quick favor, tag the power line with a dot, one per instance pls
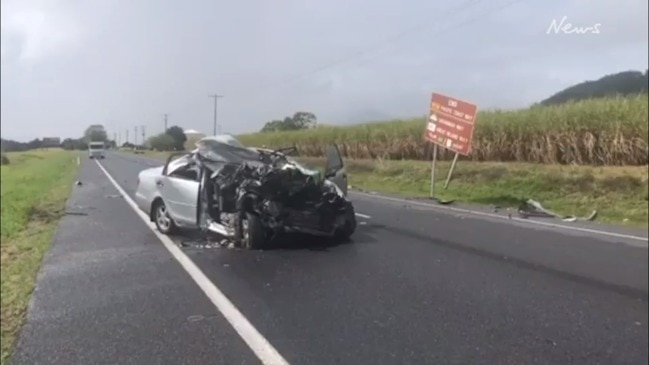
(216, 97)
(458, 25)
(377, 45)
(400, 35)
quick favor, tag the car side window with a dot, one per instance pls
(187, 172)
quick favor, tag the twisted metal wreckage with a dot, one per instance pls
(254, 195)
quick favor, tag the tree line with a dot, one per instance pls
(173, 138)
(299, 120)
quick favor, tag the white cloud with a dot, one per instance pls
(127, 62)
(38, 28)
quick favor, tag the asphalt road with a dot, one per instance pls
(419, 285)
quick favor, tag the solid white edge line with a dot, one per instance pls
(255, 340)
(491, 215)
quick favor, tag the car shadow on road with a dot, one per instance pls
(290, 241)
(299, 241)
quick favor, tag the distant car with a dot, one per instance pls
(96, 149)
(246, 194)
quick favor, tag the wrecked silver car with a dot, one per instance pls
(249, 195)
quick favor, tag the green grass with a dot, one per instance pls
(618, 193)
(599, 132)
(35, 186)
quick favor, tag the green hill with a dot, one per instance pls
(620, 84)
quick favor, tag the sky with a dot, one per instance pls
(67, 64)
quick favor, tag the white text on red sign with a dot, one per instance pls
(450, 124)
(448, 134)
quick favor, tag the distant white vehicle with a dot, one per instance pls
(96, 149)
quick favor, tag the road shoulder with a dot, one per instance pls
(108, 292)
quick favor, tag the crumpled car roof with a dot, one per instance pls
(225, 148)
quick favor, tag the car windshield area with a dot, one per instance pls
(96, 145)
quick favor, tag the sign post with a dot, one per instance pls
(432, 173)
(450, 125)
(450, 170)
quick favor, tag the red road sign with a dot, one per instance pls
(450, 123)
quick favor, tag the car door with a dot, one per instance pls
(201, 214)
(335, 170)
(179, 187)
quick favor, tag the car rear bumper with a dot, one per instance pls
(142, 203)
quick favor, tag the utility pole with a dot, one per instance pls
(143, 134)
(216, 101)
(135, 135)
(120, 138)
(165, 123)
(115, 138)
(127, 136)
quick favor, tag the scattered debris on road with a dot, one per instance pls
(195, 318)
(205, 243)
(443, 202)
(532, 208)
(77, 183)
(75, 213)
(114, 196)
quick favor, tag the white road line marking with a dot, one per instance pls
(363, 215)
(255, 340)
(491, 215)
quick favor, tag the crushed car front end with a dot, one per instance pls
(292, 201)
(286, 198)
(279, 194)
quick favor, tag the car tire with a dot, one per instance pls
(162, 220)
(252, 235)
(348, 229)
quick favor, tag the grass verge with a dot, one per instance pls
(35, 187)
(618, 193)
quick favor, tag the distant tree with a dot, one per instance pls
(273, 126)
(74, 144)
(162, 142)
(178, 136)
(299, 120)
(12, 146)
(95, 132)
(303, 120)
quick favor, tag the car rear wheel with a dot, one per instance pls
(252, 232)
(162, 219)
